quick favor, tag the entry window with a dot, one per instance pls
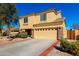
(26, 20)
(43, 17)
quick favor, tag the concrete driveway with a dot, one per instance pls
(32, 47)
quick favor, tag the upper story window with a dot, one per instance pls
(43, 17)
(25, 20)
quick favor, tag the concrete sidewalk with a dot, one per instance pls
(32, 47)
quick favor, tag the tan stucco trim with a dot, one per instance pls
(48, 24)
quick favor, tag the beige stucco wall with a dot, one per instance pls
(64, 30)
(63, 25)
(76, 33)
(51, 16)
(35, 19)
(27, 25)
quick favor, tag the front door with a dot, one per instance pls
(29, 32)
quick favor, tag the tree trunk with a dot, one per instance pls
(9, 30)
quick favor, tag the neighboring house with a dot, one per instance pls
(45, 25)
(12, 29)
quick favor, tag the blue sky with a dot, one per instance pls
(69, 10)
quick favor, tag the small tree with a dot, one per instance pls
(9, 13)
(76, 26)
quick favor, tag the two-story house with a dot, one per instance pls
(44, 25)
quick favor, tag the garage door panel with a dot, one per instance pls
(45, 34)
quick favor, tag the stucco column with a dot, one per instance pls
(60, 32)
(32, 33)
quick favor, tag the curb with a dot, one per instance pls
(48, 50)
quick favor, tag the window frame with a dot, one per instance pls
(43, 17)
(26, 20)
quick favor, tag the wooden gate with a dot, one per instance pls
(70, 34)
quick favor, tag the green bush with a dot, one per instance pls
(22, 35)
(68, 47)
(5, 33)
(76, 50)
(0, 34)
(72, 48)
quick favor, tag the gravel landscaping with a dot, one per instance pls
(58, 52)
(5, 40)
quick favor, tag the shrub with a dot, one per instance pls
(0, 34)
(72, 48)
(66, 45)
(13, 34)
(5, 33)
(22, 35)
(76, 50)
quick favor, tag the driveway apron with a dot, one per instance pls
(32, 47)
